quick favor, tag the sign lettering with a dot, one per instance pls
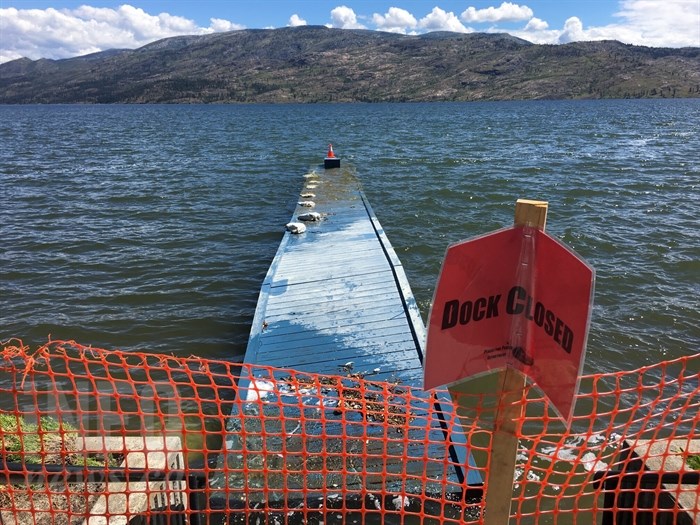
(499, 305)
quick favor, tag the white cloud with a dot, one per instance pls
(573, 31)
(439, 20)
(53, 33)
(219, 25)
(535, 24)
(345, 18)
(506, 12)
(396, 20)
(295, 21)
(675, 23)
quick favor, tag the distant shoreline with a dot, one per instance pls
(318, 64)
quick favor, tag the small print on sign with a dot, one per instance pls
(517, 298)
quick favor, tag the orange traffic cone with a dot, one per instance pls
(331, 161)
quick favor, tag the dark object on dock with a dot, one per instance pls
(649, 488)
(331, 161)
(634, 497)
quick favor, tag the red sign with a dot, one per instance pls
(516, 298)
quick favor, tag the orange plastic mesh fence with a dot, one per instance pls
(107, 436)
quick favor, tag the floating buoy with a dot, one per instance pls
(331, 161)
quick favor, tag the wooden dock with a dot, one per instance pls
(336, 301)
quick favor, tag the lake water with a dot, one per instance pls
(150, 228)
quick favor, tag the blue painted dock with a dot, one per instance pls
(338, 293)
(336, 301)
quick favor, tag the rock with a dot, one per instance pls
(296, 227)
(312, 216)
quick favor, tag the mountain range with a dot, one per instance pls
(318, 64)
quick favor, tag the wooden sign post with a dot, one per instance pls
(516, 302)
(504, 441)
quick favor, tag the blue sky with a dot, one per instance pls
(65, 28)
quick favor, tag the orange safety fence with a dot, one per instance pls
(94, 436)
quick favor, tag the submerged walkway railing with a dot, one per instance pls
(631, 428)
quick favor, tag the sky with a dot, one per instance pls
(65, 28)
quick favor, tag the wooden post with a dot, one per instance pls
(511, 384)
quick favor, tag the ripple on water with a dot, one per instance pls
(152, 227)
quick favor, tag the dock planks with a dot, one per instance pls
(336, 301)
(338, 292)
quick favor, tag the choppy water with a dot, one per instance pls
(151, 227)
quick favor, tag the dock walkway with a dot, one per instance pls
(338, 293)
(336, 301)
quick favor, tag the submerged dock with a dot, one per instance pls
(336, 302)
(336, 298)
